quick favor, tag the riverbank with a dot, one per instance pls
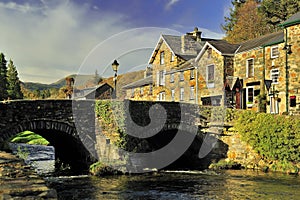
(19, 181)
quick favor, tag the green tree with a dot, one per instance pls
(231, 20)
(13, 87)
(246, 22)
(277, 11)
(3, 77)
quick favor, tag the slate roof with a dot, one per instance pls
(175, 43)
(265, 40)
(294, 19)
(224, 47)
(142, 82)
(86, 91)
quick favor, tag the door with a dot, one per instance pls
(237, 98)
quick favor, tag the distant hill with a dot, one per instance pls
(85, 81)
(81, 81)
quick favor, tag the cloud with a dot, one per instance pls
(171, 3)
(52, 40)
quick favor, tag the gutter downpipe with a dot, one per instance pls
(264, 78)
(286, 74)
(196, 67)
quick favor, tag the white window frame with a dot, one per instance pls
(162, 77)
(162, 57)
(192, 93)
(141, 90)
(150, 89)
(247, 68)
(173, 95)
(210, 81)
(247, 96)
(277, 52)
(192, 73)
(181, 94)
(274, 75)
(162, 96)
(181, 76)
(172, 77)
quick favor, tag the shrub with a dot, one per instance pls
(274, 137)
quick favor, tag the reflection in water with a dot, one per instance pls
(175, 185)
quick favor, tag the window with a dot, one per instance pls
(181, 94)
(173, 94)
(141, 91)
(150, 89)
(162, 77)
(250, 68)
(172, 57)
(192, 92)
(250, 96)
(162, 96)
(172, 78)
(181, 76)
(162, 58)
(192, 74)
(210, 76)
(274, 52)
(132, 92)
(209, 50)
(274, 75)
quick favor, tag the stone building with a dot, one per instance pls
(262, 73)
(214, 70)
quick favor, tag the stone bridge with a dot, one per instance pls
(55, 121)
(69, 126)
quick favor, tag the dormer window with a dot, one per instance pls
(209, 50)
(274, 52)
(162, 57)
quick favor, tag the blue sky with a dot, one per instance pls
(50, 39)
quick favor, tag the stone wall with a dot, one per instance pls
(238, 151)
(293, 63)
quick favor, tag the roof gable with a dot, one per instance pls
(222, 47)
(157, 47)
(175, 44)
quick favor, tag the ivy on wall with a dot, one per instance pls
(274, 137)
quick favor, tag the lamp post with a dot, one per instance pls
(274, 94)
(115, 66)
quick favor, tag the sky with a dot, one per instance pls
(50, 39)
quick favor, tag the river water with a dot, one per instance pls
(230, 184)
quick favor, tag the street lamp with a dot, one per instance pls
(115, 66)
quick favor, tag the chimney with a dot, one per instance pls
(197, 34)
(188, 41)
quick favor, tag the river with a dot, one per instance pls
(239, 184)
(230, 184)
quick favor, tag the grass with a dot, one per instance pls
(29, 137)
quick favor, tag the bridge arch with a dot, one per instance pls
(69, 148)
